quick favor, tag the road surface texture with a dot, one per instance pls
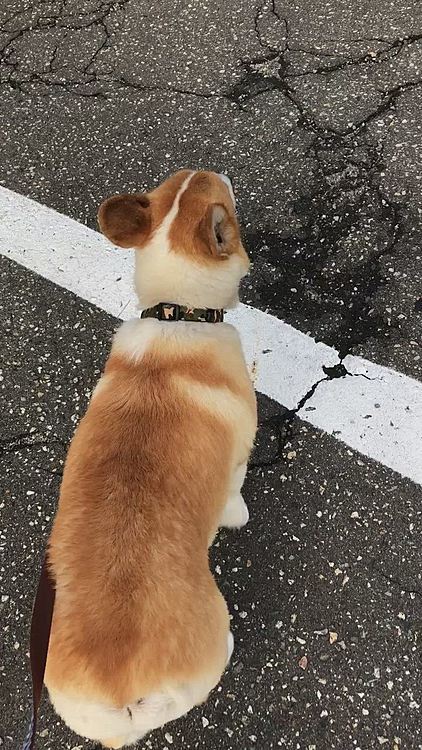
(314, 109)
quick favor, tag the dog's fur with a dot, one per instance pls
(140, 631)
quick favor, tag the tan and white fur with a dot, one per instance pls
(140, 631)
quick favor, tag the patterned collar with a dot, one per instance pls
(171, 311)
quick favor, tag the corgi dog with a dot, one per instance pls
(140, 630)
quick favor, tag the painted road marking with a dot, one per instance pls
(374, 410)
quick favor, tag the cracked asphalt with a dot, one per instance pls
(314, 109)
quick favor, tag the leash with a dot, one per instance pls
(42, 615)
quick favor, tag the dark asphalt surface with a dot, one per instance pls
(314, 109)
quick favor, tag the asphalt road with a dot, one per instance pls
(314, 109)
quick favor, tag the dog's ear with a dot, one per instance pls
(126, 219)
(216, 231)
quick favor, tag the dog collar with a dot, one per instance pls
(171, 311)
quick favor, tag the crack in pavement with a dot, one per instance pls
(283, 422)
(392, 50)
(396, 582)
(167, 89)
(259, 13)
(253, 84)
(89, 75)
(60, 21)
(27, 440)
(256, 83)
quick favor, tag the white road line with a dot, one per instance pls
(379, 415)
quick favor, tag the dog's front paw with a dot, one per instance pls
(243, 513)
(235, 514)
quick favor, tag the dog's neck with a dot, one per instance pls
(162, 275)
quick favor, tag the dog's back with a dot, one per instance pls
(140, 630)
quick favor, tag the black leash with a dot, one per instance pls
(42, 615)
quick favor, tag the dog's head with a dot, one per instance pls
(187, 237)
